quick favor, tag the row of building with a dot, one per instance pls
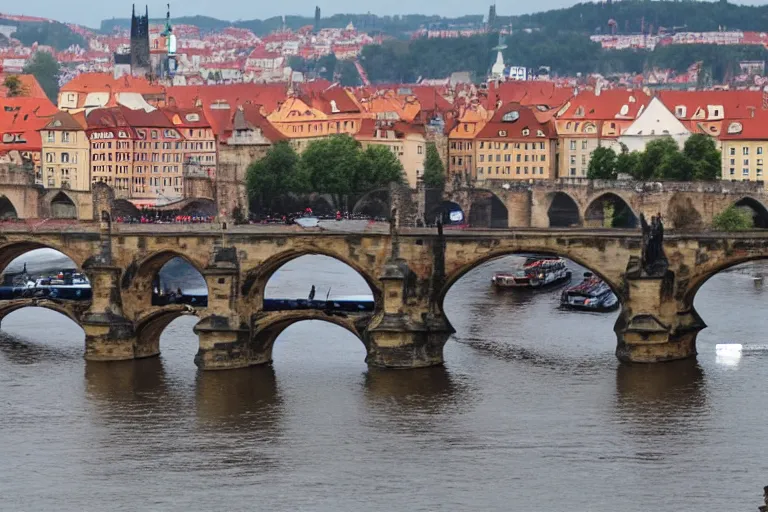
(144, 139)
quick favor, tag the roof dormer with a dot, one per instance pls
(715, 112)
(680, 111)
(734, 128)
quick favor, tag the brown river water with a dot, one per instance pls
(531, 412)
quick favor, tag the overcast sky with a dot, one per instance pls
(91, 12)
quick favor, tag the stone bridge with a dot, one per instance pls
(604, 203)
(409, 272)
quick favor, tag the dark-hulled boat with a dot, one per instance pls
(592, 294)
(537, 272)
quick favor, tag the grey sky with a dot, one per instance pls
(91, 12)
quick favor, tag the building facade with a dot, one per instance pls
(66, 153)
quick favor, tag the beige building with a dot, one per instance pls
(66, 152)
(406, 141)
(744, 146)
(516, 145)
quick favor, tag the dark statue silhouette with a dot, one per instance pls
(653, 260)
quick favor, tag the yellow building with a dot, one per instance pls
(66, 152)
(516, 144)
(744, 145)
(316, 116)
(405, 140)
(593, 119)
(461, 144)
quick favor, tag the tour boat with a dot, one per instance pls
(537, 272)
(592, 294)
(66, 285)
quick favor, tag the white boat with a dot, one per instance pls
(307, 222)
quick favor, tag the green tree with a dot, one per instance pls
(704, 157)
(273, 177)
(650, 160)
(733, 219)
(674, 166)
(46, 70)
(603, 164)
(331, 166)
(14, 86)
(627, 163)
(378, 167)
(434, 171)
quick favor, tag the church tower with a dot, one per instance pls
(140, 64)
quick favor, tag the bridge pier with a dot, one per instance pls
(406, 335)
(109, 336)
(650, 328)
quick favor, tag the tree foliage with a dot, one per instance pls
(733, 219)
(339, 167)
(52, 33)
(14, 86)
(434, 171)
(274, 176)
(603, 164)
(704, 156)
(46, 70)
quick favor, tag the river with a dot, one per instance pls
(530, 412)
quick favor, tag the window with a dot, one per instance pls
(543, 158)
(745, 172)
(759, 161)
(50, 158)
(498, 158)
(583, 144)
(525, 169)
(746, 161)
(733, 151)
(482, 145)
(517, 170)
(517, 157)
(482, 158)
(541, 170)
(65, 137)
(154, 134)
(573, 171)
(497, 169)
(542, 145)
(507, 157)
(50, 137)
(745, 150)
(573, 159)
(479, 170)
(733, 161)
(759, 172)
(760, 150)
(420, 150)
(65, 158)
(732, 171)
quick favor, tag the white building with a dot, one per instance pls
(655, 122)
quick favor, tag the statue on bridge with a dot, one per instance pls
(653, 260)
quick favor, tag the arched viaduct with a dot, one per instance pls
(409, 272)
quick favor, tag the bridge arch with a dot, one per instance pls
(458, 273)
(71, 311)
(610, 210)
(150, 327)
(376, 203)
(268, 327)
(256, 278)
(62, 206)
(486, 209)
(139, 279)
(562, 210)
(444, 211)
(683, 214)
(13, 250)
(756, 208)
(7, 209)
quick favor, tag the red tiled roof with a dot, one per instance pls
(514, 129)
(606, 105)
(187, 117)
(735, 103)
(105, 82)
(254, 117)
(29, 85)
(189, 96)
(750, 128)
